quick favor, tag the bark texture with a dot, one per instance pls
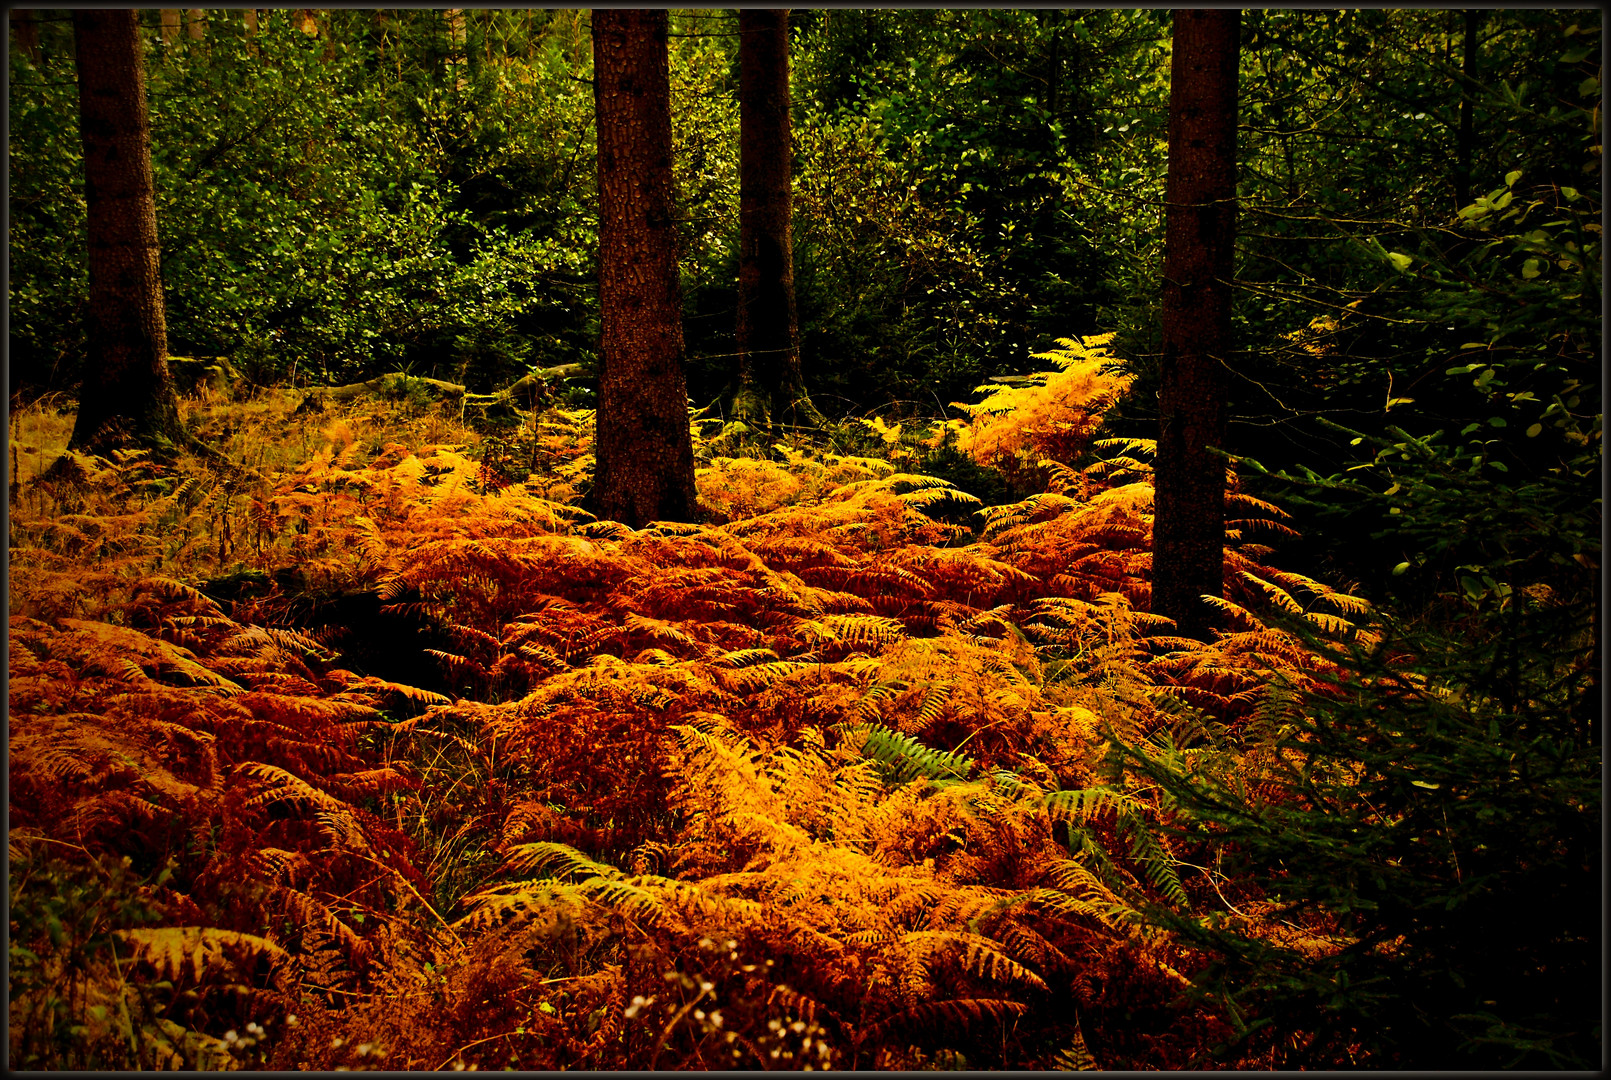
(770, 384)
(1200, 229)
(25, 28)
(127, 398)
(1462, 168)
(644, 457)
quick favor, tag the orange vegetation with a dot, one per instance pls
(819, 782)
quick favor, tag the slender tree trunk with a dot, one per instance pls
(1200, 229)
(770, 384)
(25, 26)
(195, 23)
(127, 397)
(172, 18)
(645, 460)
(1462, 168)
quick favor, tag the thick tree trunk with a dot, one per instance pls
(770, 385)
(644, 456)
(1200, 229)
(127, 397)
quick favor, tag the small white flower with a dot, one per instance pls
(699, 1014)
(632, 1010)
(290, 1021)
(706, 943)
(363, 1049)
(716, 1019)
(731, 944)
(797, 1027)
(230, 1036)
(707, 987)
(774, 1024)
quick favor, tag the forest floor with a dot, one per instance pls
(372, 750)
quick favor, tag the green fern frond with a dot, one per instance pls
(904, 758)
(1157, 863)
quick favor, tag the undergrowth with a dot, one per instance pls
(824, 780)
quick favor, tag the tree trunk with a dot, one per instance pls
(645, 461)
(127, 397)
(1462, 167)
(171, 18)
(1200, 229)
(25, 27)
(770, 385)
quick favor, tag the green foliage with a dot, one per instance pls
(902, 758)
(1453, 834)
(76, 1000)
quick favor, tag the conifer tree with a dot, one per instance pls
(771, 387)
(645, 458)
(1200, 229)
(127, 397)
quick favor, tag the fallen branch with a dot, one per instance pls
(396, 383)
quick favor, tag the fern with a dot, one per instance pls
(905, 759)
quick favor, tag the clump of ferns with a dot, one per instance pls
(101, 978)
(255, 780)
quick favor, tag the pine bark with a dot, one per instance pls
(770, 383)
(127, 397)
(1200, 230)
(25, 28)
(644, 456)
(1463, 149)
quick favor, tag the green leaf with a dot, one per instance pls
(1400, 568)
(1400, 261)
(1512, 176)
(1531, 269)
(1533, 431)
(1570, 193)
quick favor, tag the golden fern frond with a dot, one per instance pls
(1083, 804)
(1277, 595)
(175, 951)
(865, 629)
(977, 955)
(557, 860)
(519, 904)
(1076, 1056)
